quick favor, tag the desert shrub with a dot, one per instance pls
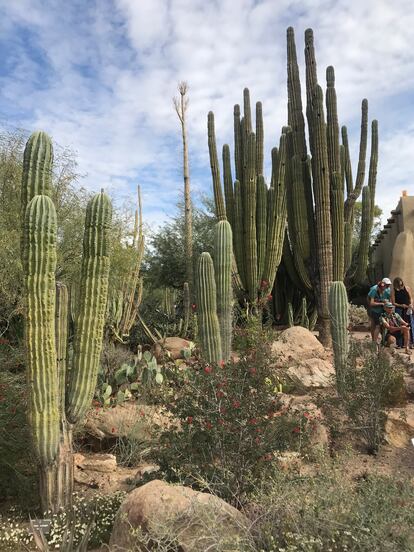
(330, 511)
(96, 513)
(358, 315)
(373, 381)
(229, 422)
(16, 463)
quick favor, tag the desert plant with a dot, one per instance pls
(53, 407)
(320, 230)
(256, 213)
(338, 310)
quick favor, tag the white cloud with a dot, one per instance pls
(100, 77)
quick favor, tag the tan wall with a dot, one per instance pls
(394, 254)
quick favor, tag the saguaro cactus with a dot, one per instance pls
(338, 309)
(208, 324)
(46, 325)
(223, 252)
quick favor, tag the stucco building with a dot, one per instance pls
(393, 253)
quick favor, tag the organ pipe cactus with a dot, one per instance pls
(338, 309)
(256, 213)
(46, 323)
(320, 213)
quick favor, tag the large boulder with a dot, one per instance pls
(132, 420)
(173, 345)
(399, 427)
(304, 358)
(197, 521)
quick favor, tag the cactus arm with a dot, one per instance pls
(40, 229)
(373, 164)
(363, 247)
(250, 219)
(238, 150)
(261, 224)
(290, 318)
(61, 336)
(215, 168)
(228, 185)
(238, 233)
(259, 138)
(92, 306)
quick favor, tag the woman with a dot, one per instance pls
(401, 297)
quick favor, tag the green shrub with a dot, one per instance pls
(373, 382)
(331, 512)
(228, 422)
(16, 462)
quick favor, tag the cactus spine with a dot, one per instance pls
(338, 309)
(47, 318)
(223, 252)
(208, 324)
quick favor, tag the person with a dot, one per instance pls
(377, 296)
(393, 327)
(402, 299)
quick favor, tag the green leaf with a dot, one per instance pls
(120, 397)
(147, 356)
(130, 372)
(159, 378)
(120, 374)
(134, 386)
(107, 390)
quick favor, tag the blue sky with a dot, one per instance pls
(99, 77)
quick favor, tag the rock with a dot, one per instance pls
(297, 342)
(174, 345)
(198, 521)
(399, 427)
(104, 463)
(145, 469)
(132, 420)
(304, 358)
(313, 372)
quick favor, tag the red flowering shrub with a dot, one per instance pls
(230, 423)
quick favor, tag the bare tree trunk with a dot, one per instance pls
(181, 105)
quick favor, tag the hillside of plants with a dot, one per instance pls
(210, 385)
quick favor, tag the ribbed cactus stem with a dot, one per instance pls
(304, 320)
(228, 184)
(208, 323)
(363, 245)
(40, 229)
(338, 309)
(61, 336)
(92, 306)
(37, 168)
(215, 168)
(259, 139)
(223, 254)
(250, 219)
(186, 308)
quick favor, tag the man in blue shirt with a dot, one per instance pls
(377, 296)
(394, 327)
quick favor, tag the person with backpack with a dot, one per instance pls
(402, 299)
(378, 295)
(394, 327)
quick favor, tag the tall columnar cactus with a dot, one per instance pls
(40, 228)
(186, 308)
(208, 323)
(92, 306)
(46, 325)
(320, 217)
(256, 213)
(338, 309)
(223, 252)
